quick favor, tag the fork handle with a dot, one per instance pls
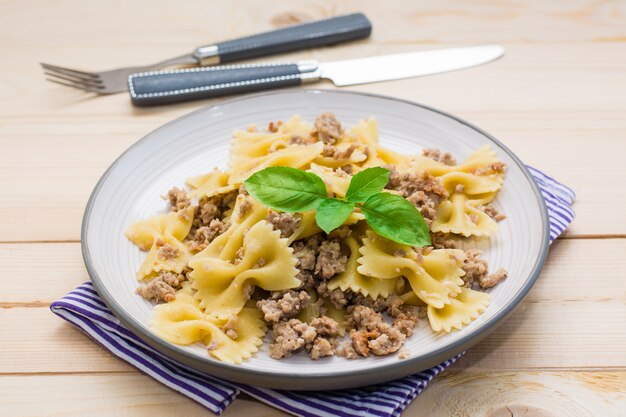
(162, 87)
(322, 32)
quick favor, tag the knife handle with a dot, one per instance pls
(322, 32)
(162, 87)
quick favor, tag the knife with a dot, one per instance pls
(161, 87)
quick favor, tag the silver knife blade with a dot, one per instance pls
(412, 64)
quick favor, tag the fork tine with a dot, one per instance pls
(69, 71)
(79, 86)
(71, 78)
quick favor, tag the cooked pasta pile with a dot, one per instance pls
(223, 268)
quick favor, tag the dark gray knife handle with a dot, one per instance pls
(161, 87)
(307, 35)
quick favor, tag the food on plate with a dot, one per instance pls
(322, 240)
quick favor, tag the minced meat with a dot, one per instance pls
(205, 234)
(287, 223)
(162, 288)
(178, 199)
(327, 128)
(434, 153)
(330, 260)
(490, 280)
(229, 328)
(475, 267)
(336, 153)
(166, 251)
(423, 190)
(283, 305)
(492, 212)
(289, 337)
(371, 334)
(442, 241)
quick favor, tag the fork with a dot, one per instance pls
(319, 33)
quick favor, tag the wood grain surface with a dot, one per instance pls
(558, 99)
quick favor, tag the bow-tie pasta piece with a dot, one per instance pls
(176, 224)
(434, 277)
(208, 185)
(459, 216)
(295, 156)
(224, 287)
(167, 254)
(462, 310)
(246, 213)
(183, 322)
(358, 283)
(471, 184)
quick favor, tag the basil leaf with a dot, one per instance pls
(393, 217)
(332, 213)
(366, 183)
(286, 189)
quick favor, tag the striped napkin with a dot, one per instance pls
(84, 309)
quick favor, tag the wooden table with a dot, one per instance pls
(558, 99)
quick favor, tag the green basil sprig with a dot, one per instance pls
(292, 190)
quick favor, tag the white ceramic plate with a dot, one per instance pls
(193, 144)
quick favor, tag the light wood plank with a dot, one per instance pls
(131, 394)
(476, 394)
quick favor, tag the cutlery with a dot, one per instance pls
(322, 32)
(161, 87)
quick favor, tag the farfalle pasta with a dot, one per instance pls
(227, 271)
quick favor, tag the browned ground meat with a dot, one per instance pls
(162, 288)
(325, 326)
(423, 190)
(166, 251)
(299, 140)
(208, 221)
(289, 337)
(475, 267)
(327, 128)
(287, 223)
(490, 280)
(273, 126)
(405, 322)
(336, 153)
(348, 169)
(493, 168)
(325, 343)
(205, 234)
(244, 208)
(371, 334)
(229, 327)
(492, 212)
(336, 297)
(347, 351)
(330, 260)
(322, 347)
(392, 305)
(283, 305)
(434, 153)
(442, 241)
(178, 199)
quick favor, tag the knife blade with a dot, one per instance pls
(161, 87)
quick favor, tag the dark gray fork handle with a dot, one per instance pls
(162, 87)
(322, 32)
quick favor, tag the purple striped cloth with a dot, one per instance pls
(85, 310)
